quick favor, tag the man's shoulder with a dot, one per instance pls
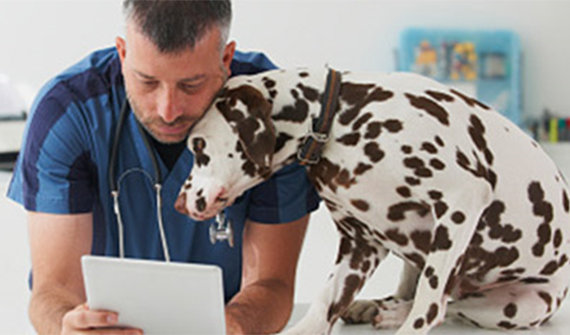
(250, 63)
(94, 75)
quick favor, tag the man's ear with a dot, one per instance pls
(249, 114)
(121, 46)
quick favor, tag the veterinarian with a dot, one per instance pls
(173, 60)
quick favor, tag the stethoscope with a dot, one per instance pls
(221, 230)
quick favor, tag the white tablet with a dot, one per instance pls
(157, 297)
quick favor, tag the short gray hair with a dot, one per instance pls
(174, 25)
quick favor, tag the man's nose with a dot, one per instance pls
(169, 106)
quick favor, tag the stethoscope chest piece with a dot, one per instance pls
(222, 230)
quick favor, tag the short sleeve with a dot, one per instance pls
(54, 173)
(287, 196)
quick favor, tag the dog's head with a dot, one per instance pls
(233, 146)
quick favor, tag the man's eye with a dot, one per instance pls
(150, 83)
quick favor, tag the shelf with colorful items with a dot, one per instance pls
(552, 131)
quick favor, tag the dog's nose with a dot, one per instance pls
(180, 204)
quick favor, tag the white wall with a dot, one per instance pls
(40, 38)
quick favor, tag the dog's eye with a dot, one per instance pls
(198, 144)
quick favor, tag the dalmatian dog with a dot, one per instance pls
(473, 206)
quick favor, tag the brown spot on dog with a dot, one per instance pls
(198, 146)
(350, 139)
(543, 209)
(412, 181)
(441, 239)
(281, 140)
(352, 284)
(419, 323)
(506, 325)
(557, 238)
(373, 151)
(404, 191)
(477, 132)
(406, 149)
(359, 96)
(547, 299)
(361, 168)
(416, 259)
(360, 204)
(396, 236)
(421, 240)
(470, 101)
(510, 310)
(361, 121)
(565, 202)
(433, 282)
(440, 96)
(398, 211)
(430, 107)
(440, 208)
(437, 164)
(393, 126)
(458, 217)
(430, 148)
(439, 141)
(435, 195)
(373, 130)
(491, 218)
(309, 93)
(432, 313)
(268, 83)
(296, 113)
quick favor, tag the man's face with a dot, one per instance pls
(168, 92)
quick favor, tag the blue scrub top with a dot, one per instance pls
(63, 169)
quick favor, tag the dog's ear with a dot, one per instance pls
(249, 114)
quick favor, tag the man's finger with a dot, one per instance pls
(82, 317)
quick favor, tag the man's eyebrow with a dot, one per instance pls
(184, 80)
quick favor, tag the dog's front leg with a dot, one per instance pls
(452, 234)
(358, 257)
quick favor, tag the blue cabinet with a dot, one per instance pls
(484, 64)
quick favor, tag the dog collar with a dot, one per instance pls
(318, 136)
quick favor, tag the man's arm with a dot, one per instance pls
(57, 243)
(270, 256)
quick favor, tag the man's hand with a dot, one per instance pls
(82, 320)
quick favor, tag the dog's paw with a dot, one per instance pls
(392, 313)
(386, 313)
(360, 311)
